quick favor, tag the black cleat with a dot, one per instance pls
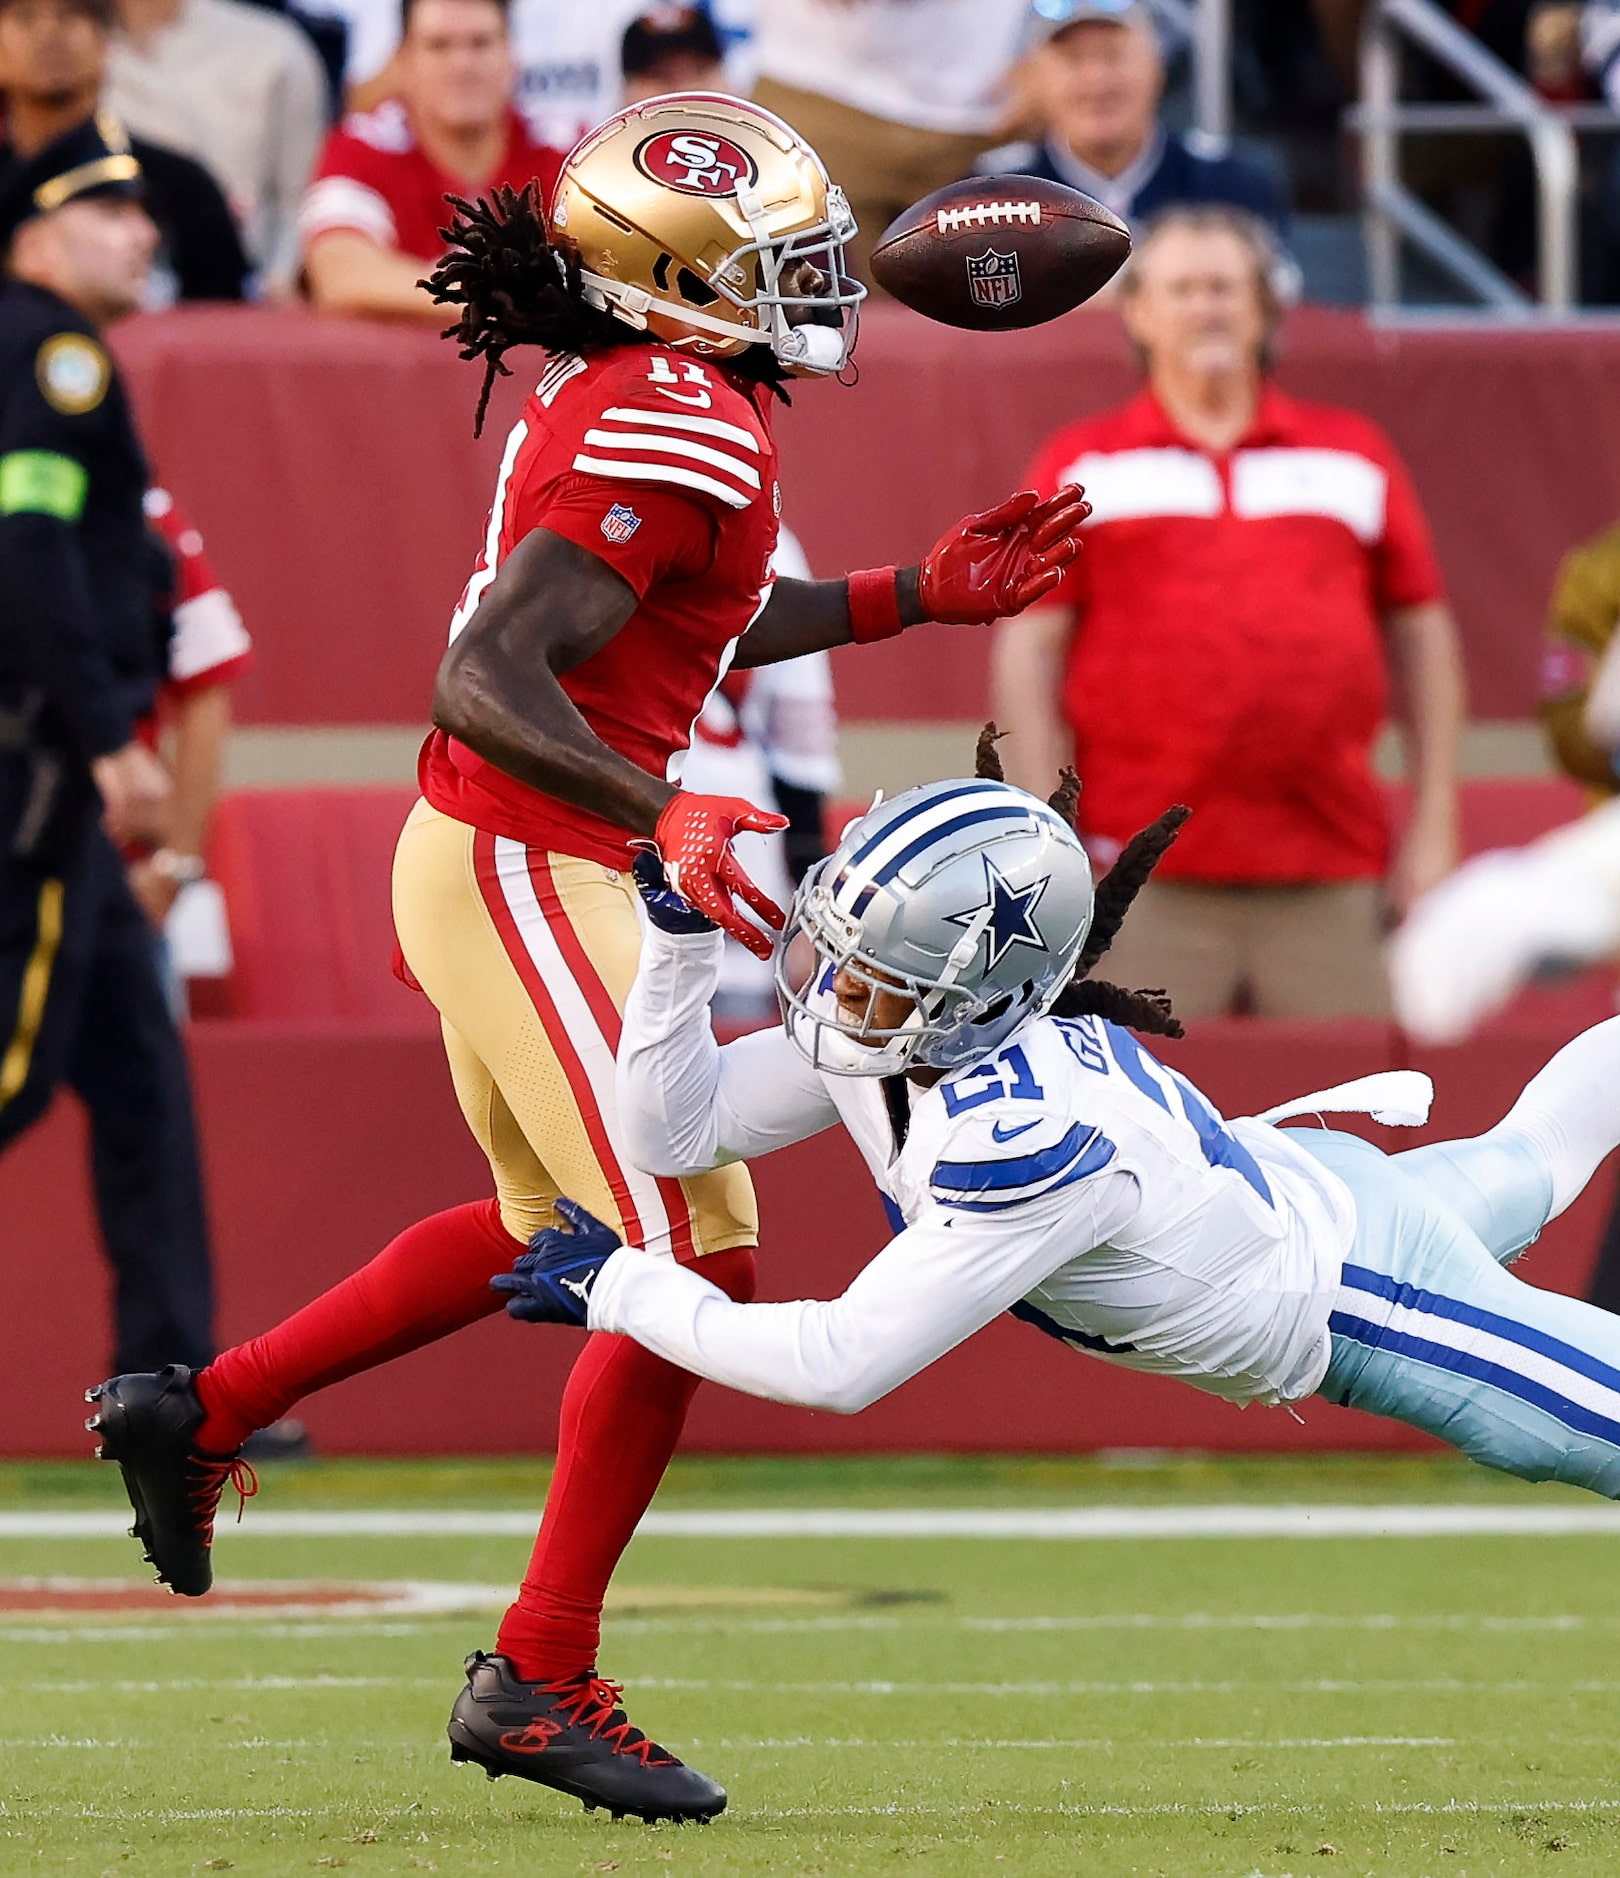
(573, 1736)
(146, 1424)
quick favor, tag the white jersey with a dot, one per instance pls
(1071, 1178)
(939, 64)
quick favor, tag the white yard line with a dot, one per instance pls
(268, 1597)
(123, 1744)
(1300, 1521)
(1183, 1809)
(1079, 1744)
(911, 1691)
(1289, 1620)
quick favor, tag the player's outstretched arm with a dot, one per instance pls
(988, 567)
(552, 606)
(685, 1102)
(925, 1292)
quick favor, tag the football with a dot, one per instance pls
(993, 253)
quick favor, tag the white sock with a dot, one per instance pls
(1571, 1110)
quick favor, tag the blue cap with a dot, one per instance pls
(1048, 17)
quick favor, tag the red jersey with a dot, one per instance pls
(209, 644)
(665, 469)
(375, 179)
(1228, 649)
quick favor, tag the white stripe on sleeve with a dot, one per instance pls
(208, 632)
(340, 202)
(662, 473)
(679, 420)
(640, 440)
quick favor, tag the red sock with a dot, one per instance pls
(621, 1418)
(432, 1279)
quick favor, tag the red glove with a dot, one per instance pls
(694, 842)
(993, 565)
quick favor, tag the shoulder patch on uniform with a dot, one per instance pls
(42, 482)
(73, 373)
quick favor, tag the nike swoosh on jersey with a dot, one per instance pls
(1003, 1133)
(700, 399)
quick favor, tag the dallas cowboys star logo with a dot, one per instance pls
(1012, 914)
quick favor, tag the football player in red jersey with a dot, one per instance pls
(692, 262)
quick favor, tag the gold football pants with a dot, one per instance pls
(528, 957)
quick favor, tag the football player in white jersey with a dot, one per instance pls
(1043, 1162)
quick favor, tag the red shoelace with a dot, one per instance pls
(208, 1480)
(592, 1702)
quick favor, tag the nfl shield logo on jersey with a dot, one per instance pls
(993, 279)
(620, 522)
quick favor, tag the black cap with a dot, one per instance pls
(92, 159)
(663, 31)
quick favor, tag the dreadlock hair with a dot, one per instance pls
(1147, 1011)
(516, 285)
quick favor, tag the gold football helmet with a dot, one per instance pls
(693, 214)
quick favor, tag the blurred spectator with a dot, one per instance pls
(1552, 51)
(1571, 877)
(52, 57)
(567, 54)
(1513, 912)
(898, 96)
(1093, 80)
(1252, 566)
(1599, 35)
(372, 217)
(208, 649)
(237, 88)
(770, 735)
(80, 662)
(1576, 661)
(671, 48)
(1503, 918)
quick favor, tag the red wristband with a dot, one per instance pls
(874, 605)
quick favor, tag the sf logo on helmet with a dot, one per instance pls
(699, 163)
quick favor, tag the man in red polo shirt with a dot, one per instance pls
(1253, 568)
(371, 219)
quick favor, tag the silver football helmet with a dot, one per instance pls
(971, 900)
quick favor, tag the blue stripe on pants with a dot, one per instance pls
(1430, 1330)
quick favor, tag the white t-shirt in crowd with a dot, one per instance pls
(937, 64)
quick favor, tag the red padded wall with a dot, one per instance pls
(319, 1146)
(332, 468)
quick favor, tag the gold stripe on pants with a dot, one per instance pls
(36, 987)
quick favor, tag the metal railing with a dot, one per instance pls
(1207, 25)
(1393, 214)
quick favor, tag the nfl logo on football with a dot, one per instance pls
(993, 279)
(620, 522)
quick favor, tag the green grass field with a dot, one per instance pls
(924, 1704)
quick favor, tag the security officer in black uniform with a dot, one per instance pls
(83, 647)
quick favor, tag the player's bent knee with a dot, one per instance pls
(734, 1271)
